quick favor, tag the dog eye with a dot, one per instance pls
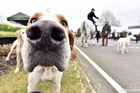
(33, 20)
(64, 23)
(22, 32)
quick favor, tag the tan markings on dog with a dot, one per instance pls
(36, 16)
(62, 20)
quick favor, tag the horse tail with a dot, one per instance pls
(83, 30)
(83, 27)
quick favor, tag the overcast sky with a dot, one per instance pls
(127, 11)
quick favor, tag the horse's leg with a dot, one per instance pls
(86, 42)
(82, 39)
(93, 40)
(82, 43)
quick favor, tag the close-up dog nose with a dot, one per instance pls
(34, 33)
(47, 29)
(57, 33)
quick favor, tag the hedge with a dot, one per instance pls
(8, 27)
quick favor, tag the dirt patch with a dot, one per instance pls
(4, 66)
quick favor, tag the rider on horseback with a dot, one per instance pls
(90, 17)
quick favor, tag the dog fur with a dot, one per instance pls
(123, 44)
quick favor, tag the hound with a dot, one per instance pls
(123, 43)
(17, 44)
(88, 32)
(46, 49)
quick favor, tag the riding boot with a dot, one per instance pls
(96, 28)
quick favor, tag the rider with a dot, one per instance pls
(90, 17)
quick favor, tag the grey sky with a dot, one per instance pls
(127, 11)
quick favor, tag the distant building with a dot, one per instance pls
(134, 29)
(20, 18)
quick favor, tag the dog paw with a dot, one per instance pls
(7, 59)
(16, 70)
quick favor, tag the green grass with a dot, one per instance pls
(7, 34)
(73, 81)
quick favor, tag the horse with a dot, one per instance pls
(88, 33)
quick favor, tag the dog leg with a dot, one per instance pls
(18, 62)
(56, 83)
(34, 79)
(12, 48)
(127, 49)
(18, 59)
(122, 50)
(56, 88)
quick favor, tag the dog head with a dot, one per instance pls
(49, 42)
(21, 35)
(132, 37)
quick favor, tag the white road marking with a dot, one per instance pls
(103, 73)
(135, 47)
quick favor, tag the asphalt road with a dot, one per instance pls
(124, 69)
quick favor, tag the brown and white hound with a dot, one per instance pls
(46, 49)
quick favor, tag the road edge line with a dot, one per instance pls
(103, 73)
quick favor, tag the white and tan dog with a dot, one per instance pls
(46, 49)
(123, 43)
(17, 44)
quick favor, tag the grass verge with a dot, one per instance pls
(73, 81)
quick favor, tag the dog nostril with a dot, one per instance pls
(57, 34)
(34, 33)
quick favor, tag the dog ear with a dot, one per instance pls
(18, 34)
(71, 41)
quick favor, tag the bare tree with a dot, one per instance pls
(108, 16)
(2, 17)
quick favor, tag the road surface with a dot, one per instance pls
(124, 69)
